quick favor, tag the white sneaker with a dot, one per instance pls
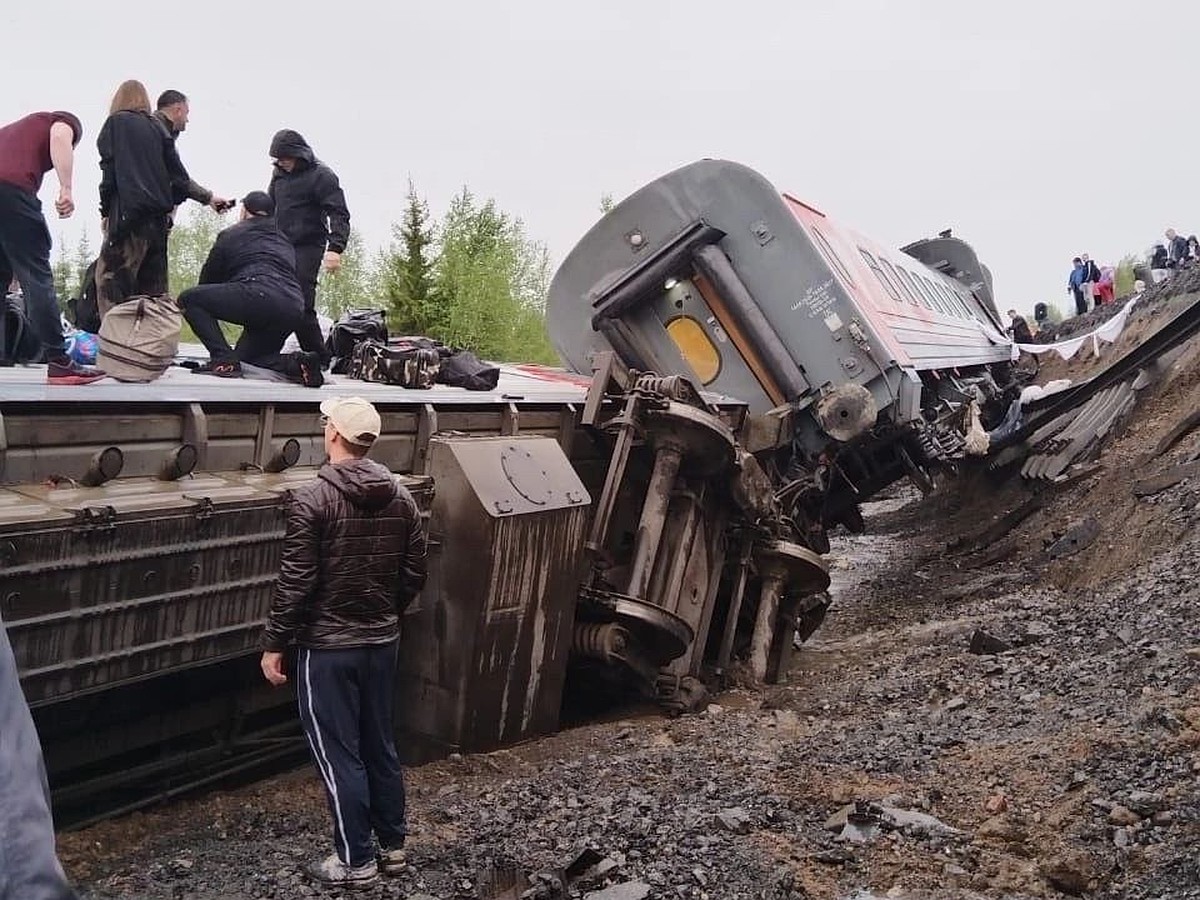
(392, 862)
(332, 872)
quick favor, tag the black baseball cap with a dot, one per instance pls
(259, 203)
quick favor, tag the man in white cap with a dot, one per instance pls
(353, 559)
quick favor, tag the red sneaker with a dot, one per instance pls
(65, 370)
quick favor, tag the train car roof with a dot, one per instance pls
(518, 383)
(532, 384)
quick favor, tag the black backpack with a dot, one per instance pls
(354, 327)
(18, 342)
(463, 369)
(85, 309)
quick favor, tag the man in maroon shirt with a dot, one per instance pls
(29, 148)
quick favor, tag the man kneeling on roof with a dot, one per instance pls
(249, 279)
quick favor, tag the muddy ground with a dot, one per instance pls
(1043, 709)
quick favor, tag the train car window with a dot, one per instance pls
(696, 347)
(947, 300)
(964, 302)
(952, 299)
(880, 275)
(931, 292)
(928, 291)
(911, 283)
(831, 256)
(887, 267)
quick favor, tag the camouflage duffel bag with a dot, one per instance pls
(406, 366)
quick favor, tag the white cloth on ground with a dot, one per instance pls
(1108, 332)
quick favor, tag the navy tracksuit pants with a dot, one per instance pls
(346, 704)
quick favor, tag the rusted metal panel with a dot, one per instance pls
(106, 585)
(149, 576)
(484, 652)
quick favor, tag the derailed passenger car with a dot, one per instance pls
(748, 372)
(857, 362)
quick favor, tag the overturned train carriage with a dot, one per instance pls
(858, 363)
(748, 372)
(141, 528)
(140, 535)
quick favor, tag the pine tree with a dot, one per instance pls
(62, 272)
(492, 281)
(83, 258)
(406, 270)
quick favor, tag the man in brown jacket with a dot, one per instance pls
(353, 559)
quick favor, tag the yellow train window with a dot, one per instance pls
(696, 347)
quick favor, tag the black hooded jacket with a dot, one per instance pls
(309, 204)
(195, 191)
(140, 173)
(253, 250)
(353, 559)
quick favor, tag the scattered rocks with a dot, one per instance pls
(630, 890)
(1163, 819)
(985, 644)
(1004, 828)
(1144, 803)
(1070, 729)
(1072, 872)
(1121, 815)
(734, 819)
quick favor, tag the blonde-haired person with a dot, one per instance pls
(141, 183)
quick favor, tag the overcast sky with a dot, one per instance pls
(1038, 130)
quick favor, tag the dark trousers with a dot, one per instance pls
(6, 272)
(308, 267)
(267, 320)
(29, 867)
(132, 263)
(346, 704)
(1080, 301)
(25, 251)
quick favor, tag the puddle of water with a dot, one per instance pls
(854, 557)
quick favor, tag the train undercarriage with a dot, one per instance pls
(629, 544)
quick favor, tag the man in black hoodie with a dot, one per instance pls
(312, 214)
(249, 279)
(353, 560)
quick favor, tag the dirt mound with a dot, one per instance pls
(1157, 306)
